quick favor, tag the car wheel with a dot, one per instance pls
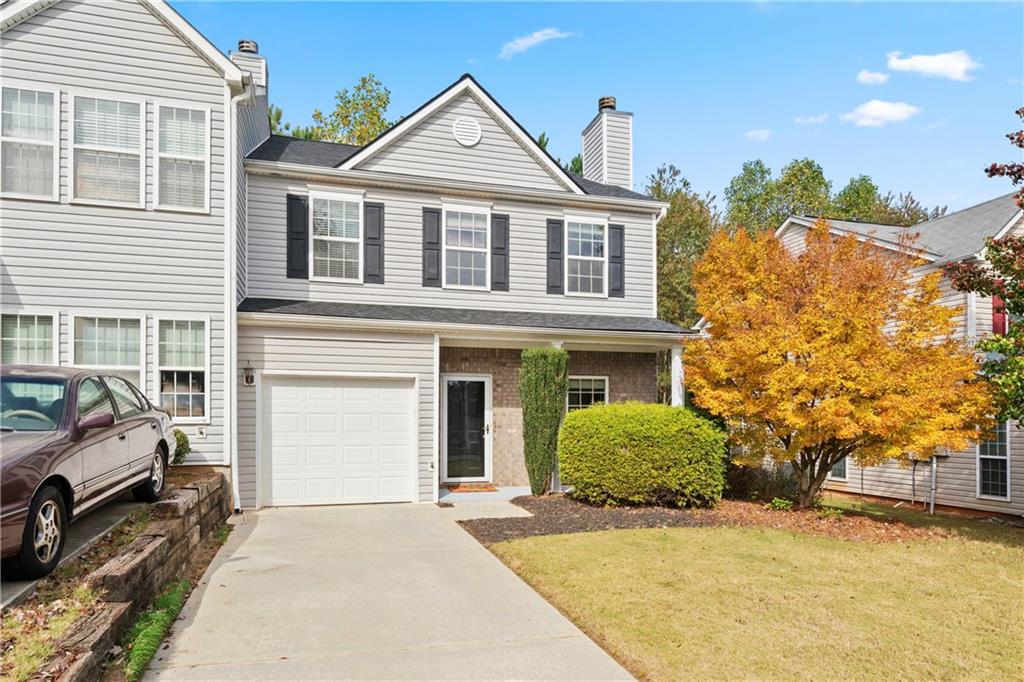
(150, 490)
(42, 541)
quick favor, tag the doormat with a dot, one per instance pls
(471, 488)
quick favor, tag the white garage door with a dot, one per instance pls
(337, 440)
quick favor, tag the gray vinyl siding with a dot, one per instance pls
(403, 257)
(430, 150)
(618, 138)
(253, 129)
(320, 352)
(593, 150)
(81, 259)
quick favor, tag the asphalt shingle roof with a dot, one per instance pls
(495, 318)
(332, 154)
(953, 236)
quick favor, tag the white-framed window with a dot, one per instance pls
(838, 471)
(29, 142)
(183, 158)
(336, 237)
(467, 244)
(586, 256)
(183, 368)
(994, 463)
(585, 391)
(28, 338)
(111, 343)
(108, 151)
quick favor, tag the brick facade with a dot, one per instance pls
(631, 376)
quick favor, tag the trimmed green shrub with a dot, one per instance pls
(181, 446)
(638, 453)
(543, 385)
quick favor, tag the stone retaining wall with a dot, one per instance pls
(129, 581)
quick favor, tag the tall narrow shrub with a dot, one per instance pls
(543, 385)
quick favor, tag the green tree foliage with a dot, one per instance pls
(638, 453)
(683, 236)
(758, 202)
(358, 116)
(543, 385)
(576, 165)
(542, 141)
(279, 128)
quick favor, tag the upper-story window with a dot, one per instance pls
(994, 463)
(465, 249)
(337, 232)
(183, 159)
(107, 150)
(28, 142)
(587, 258)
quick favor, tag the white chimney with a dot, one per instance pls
(608, 146)
(248, 58)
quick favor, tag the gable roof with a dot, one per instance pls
(321, 154)
(466, 84)
(954, 236)
(13, 12)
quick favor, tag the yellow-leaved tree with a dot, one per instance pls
(832, 352)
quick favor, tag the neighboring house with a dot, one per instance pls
(339, 324)
(990, 475)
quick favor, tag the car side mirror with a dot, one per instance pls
(96, 421)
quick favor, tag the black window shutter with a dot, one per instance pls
(556, 256)
(298, 236)
(616, 261)
(499, 252)
(431, 247)
(373, 243)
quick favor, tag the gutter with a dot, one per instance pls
(231, 277)
(406, 182)
(456, 329)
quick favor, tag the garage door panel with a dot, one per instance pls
(337, 440)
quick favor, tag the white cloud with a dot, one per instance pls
(955, 65)
(815, 120)
(877, 113)
(871, 77)
(759, 135)
(524, 43)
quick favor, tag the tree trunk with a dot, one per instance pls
(811, 478)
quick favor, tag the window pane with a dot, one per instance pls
(839, 469)
(107, 123)
(27, 114)
(586, 392)
(993, 476)
(182, 183)
(586, 276)
(26, 339)
(27, 168)
(335, 259)
(92, 399)
(183, 393)
(106, 342)
(466, 268)
(335, 219)
(107, 176)
(127, 402)
(995, 442)
(182, 132)
(182, 343)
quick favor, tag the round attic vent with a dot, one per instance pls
(466, 131)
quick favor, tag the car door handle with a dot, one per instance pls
(122, 435)
(152, 426)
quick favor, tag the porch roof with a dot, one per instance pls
(463, 316)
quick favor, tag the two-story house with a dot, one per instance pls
(990, 475)
(337, 324)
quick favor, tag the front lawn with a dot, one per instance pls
(759, 603)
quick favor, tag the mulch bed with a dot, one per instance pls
(558, 514)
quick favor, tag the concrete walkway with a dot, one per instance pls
(371, 592)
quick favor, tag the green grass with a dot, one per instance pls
(223, 532)
(34, 632)
(752, 603)
(148, 632)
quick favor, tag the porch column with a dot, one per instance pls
(678, 397)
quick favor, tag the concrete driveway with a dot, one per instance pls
(370, 592)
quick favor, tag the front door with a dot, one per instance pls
(466, 447)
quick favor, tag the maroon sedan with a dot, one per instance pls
(70, 439)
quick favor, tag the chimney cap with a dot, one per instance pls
(250, 46)
(606, 103)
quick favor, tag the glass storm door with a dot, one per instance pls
(467, 428)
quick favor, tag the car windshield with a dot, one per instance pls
(31, 404)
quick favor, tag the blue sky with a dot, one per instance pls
(710, 85)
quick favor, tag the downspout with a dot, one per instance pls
(935, 470)
(231, 323)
